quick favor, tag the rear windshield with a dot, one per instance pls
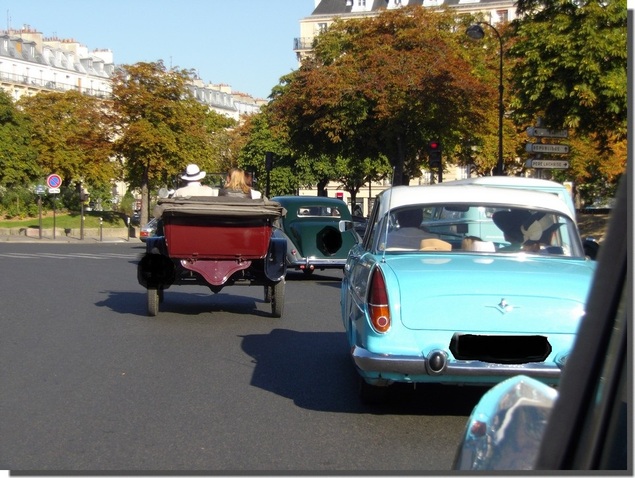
(479, 228)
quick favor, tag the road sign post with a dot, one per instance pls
(539, 148)
(547, 148)
(54, 181)
(547, 163)
(536, 132)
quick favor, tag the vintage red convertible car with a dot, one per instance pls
(216, 242)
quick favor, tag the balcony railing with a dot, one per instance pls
(303, 43)
(41, 84)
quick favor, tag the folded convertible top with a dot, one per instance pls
(224, 206)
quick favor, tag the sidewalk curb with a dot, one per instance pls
(70, 236)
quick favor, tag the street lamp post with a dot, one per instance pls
(476, 32)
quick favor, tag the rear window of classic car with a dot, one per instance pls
(480, 228)
(318, 211)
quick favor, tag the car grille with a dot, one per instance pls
(506, 349)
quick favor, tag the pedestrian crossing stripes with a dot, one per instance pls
(74, 255)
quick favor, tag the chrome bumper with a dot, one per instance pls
(417, 366)
(315, 263)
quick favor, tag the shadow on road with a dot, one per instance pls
(187, 302)
(314, 370)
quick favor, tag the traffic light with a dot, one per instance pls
(434, 154)
(268, 161)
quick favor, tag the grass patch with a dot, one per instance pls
(70, 220)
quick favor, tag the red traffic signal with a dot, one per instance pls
(434, 154)
(434, 146)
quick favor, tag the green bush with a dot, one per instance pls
(126, 203)
(19, 202)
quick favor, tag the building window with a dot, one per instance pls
(361, 3)
(321, 27)
(503, 16)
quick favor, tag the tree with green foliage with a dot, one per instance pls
(72, 135)
(160, 127)
(292, 171)
(254, 138)
(220, 128)
(571, 66)
(383, 87)
(18, 157)
(19, 170)
(570, 70)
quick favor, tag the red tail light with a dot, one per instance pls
(378, 303)
(478, 428)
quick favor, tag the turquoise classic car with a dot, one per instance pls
(311, 228)
(463, 285)
(523, 424)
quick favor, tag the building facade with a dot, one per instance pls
(326, 12)
(30, 62)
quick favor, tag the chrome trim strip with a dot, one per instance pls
(410, 365)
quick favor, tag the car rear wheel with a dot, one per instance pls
(153, 302)
(268, 294)
(277, 298)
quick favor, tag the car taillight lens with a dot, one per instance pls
(378, 303)
(478, 428)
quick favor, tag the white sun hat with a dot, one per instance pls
(193, 173)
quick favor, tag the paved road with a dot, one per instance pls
(90, 383)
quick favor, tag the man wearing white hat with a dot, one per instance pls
(193, 186)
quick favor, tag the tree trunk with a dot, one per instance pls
(403, 178)
(321, 187)
(398, 163)
(145, 202)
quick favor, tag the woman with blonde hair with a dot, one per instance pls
(235, 184)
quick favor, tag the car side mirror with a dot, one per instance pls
(344, 225)
(505, 428)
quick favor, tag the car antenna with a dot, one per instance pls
(392, 178)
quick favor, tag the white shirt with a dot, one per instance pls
(194, 188)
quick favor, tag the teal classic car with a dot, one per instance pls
(311, 228)
(463, 285)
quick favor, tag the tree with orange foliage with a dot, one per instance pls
(161, 127)
(385, 86)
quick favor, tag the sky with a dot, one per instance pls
(247, 44)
